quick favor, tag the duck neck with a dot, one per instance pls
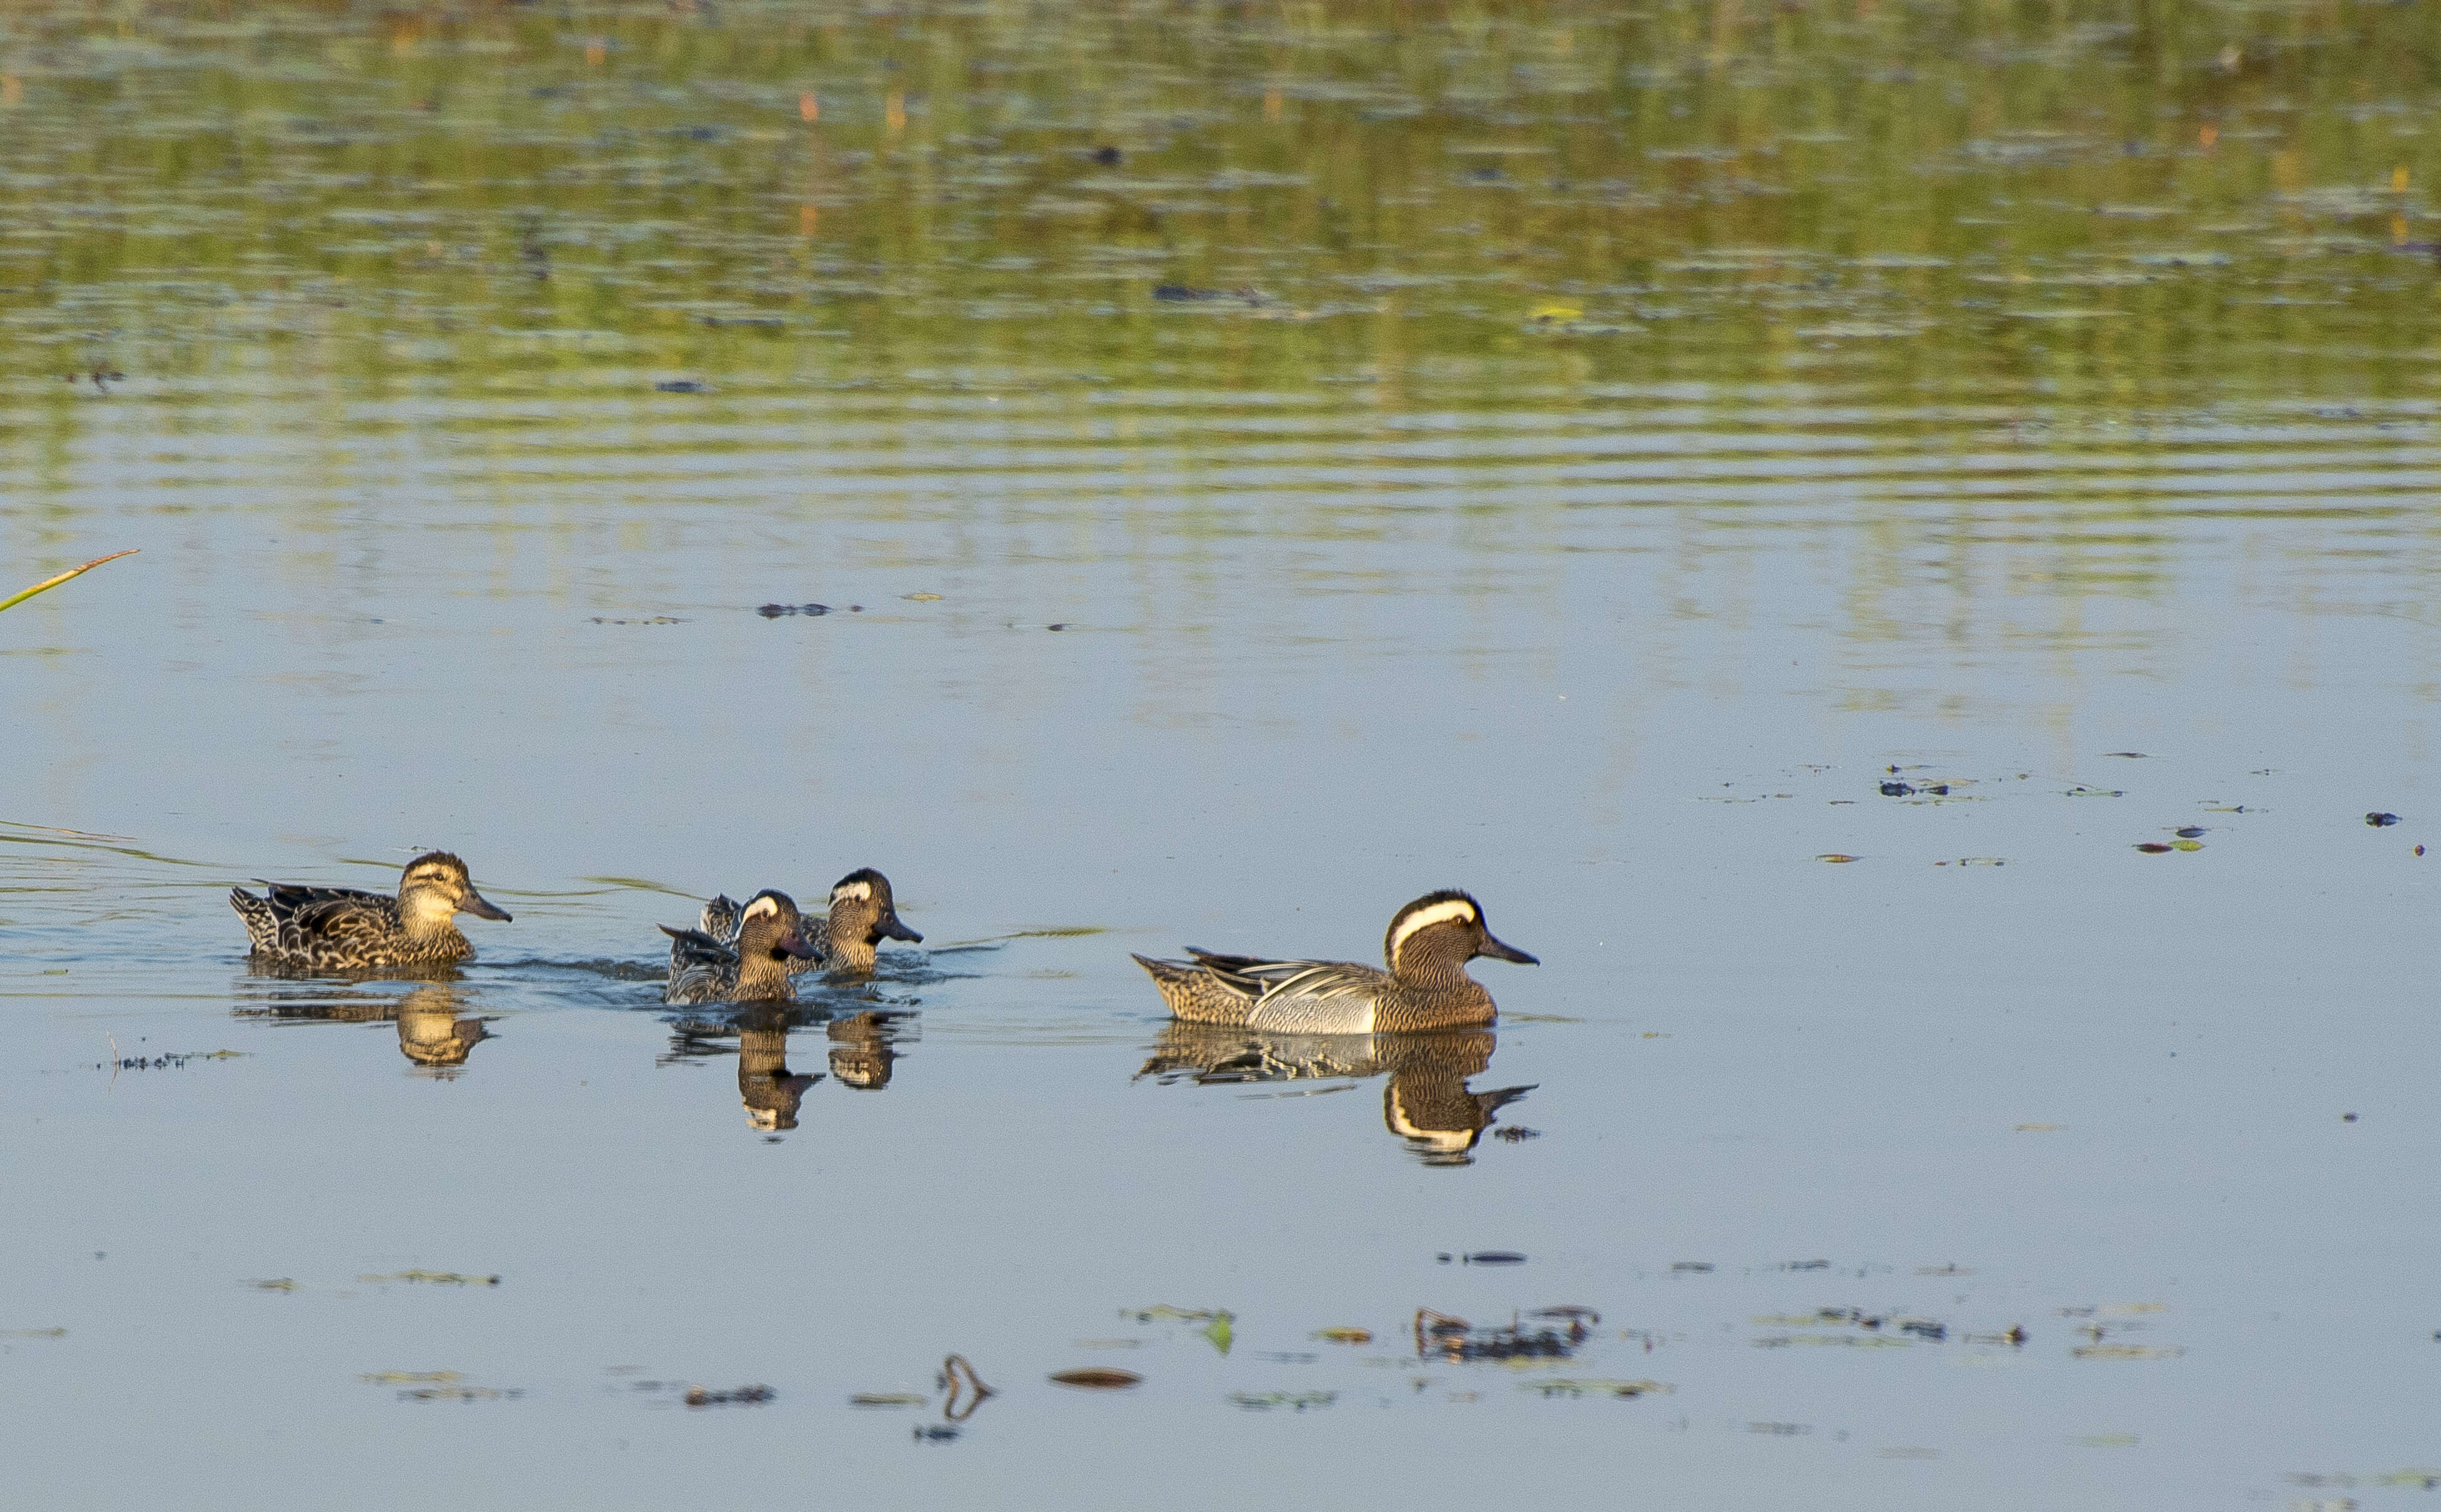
(1419, 965)
(760, 974)
(851, 940)
(427, 915)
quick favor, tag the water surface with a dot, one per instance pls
(1260, 465)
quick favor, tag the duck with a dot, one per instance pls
(344, 930)
(861, 915)
(1429, 943)
(751, 967)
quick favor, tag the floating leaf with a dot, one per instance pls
(1097, 1380)
(1221, 1333)
(2186, 845)
(1836, 858)
(921, 598)
(1345, 1336)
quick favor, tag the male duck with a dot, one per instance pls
(751, 967)
(344, 930)
(1428, 944)
(862, 914)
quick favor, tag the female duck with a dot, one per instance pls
(1427, 988)
(753, 967)
(343, 929)
(862, 914)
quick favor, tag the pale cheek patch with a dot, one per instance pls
(852, 892)
(762, 909)
(1426, 918)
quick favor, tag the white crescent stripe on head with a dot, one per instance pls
(761, 907)
(854, 889)
(1426, 918)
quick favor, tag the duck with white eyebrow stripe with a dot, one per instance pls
(751, 968)
(1429, 943)
(862, 914)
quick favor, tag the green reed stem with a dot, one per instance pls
(53, 582)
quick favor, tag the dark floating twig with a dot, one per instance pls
(741, 1396)
(774, 611)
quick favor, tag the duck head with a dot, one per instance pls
(1440, 933)
(768, 930)
(434, 887)
(861, 909)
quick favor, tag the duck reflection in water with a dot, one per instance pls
(431, 1032)
(865, 1046)
(770, 1090)
(1425, 1103)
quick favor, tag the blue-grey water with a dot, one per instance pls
(1780, 644)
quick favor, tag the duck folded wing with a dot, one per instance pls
(332, 913)
(719, 918)
(697, 950)
(1313, 980)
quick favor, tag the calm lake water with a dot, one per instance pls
(1780, 501)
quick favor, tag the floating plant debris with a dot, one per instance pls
(887, 1400)
(1294, 1401)
(1494, 1257)
(433, 1278)
(2380, 820)
(1099, 1379)
(1516, 1134)
(1837, 857)
(172, 1061)
(1455, 1339)
(1595, 1388)
(773, 611)
(736, 1397)
(681, 385)
(1345, 1335)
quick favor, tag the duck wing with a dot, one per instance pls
(1309, 981)
(701, 968)
(329, 913)
(719, 918)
